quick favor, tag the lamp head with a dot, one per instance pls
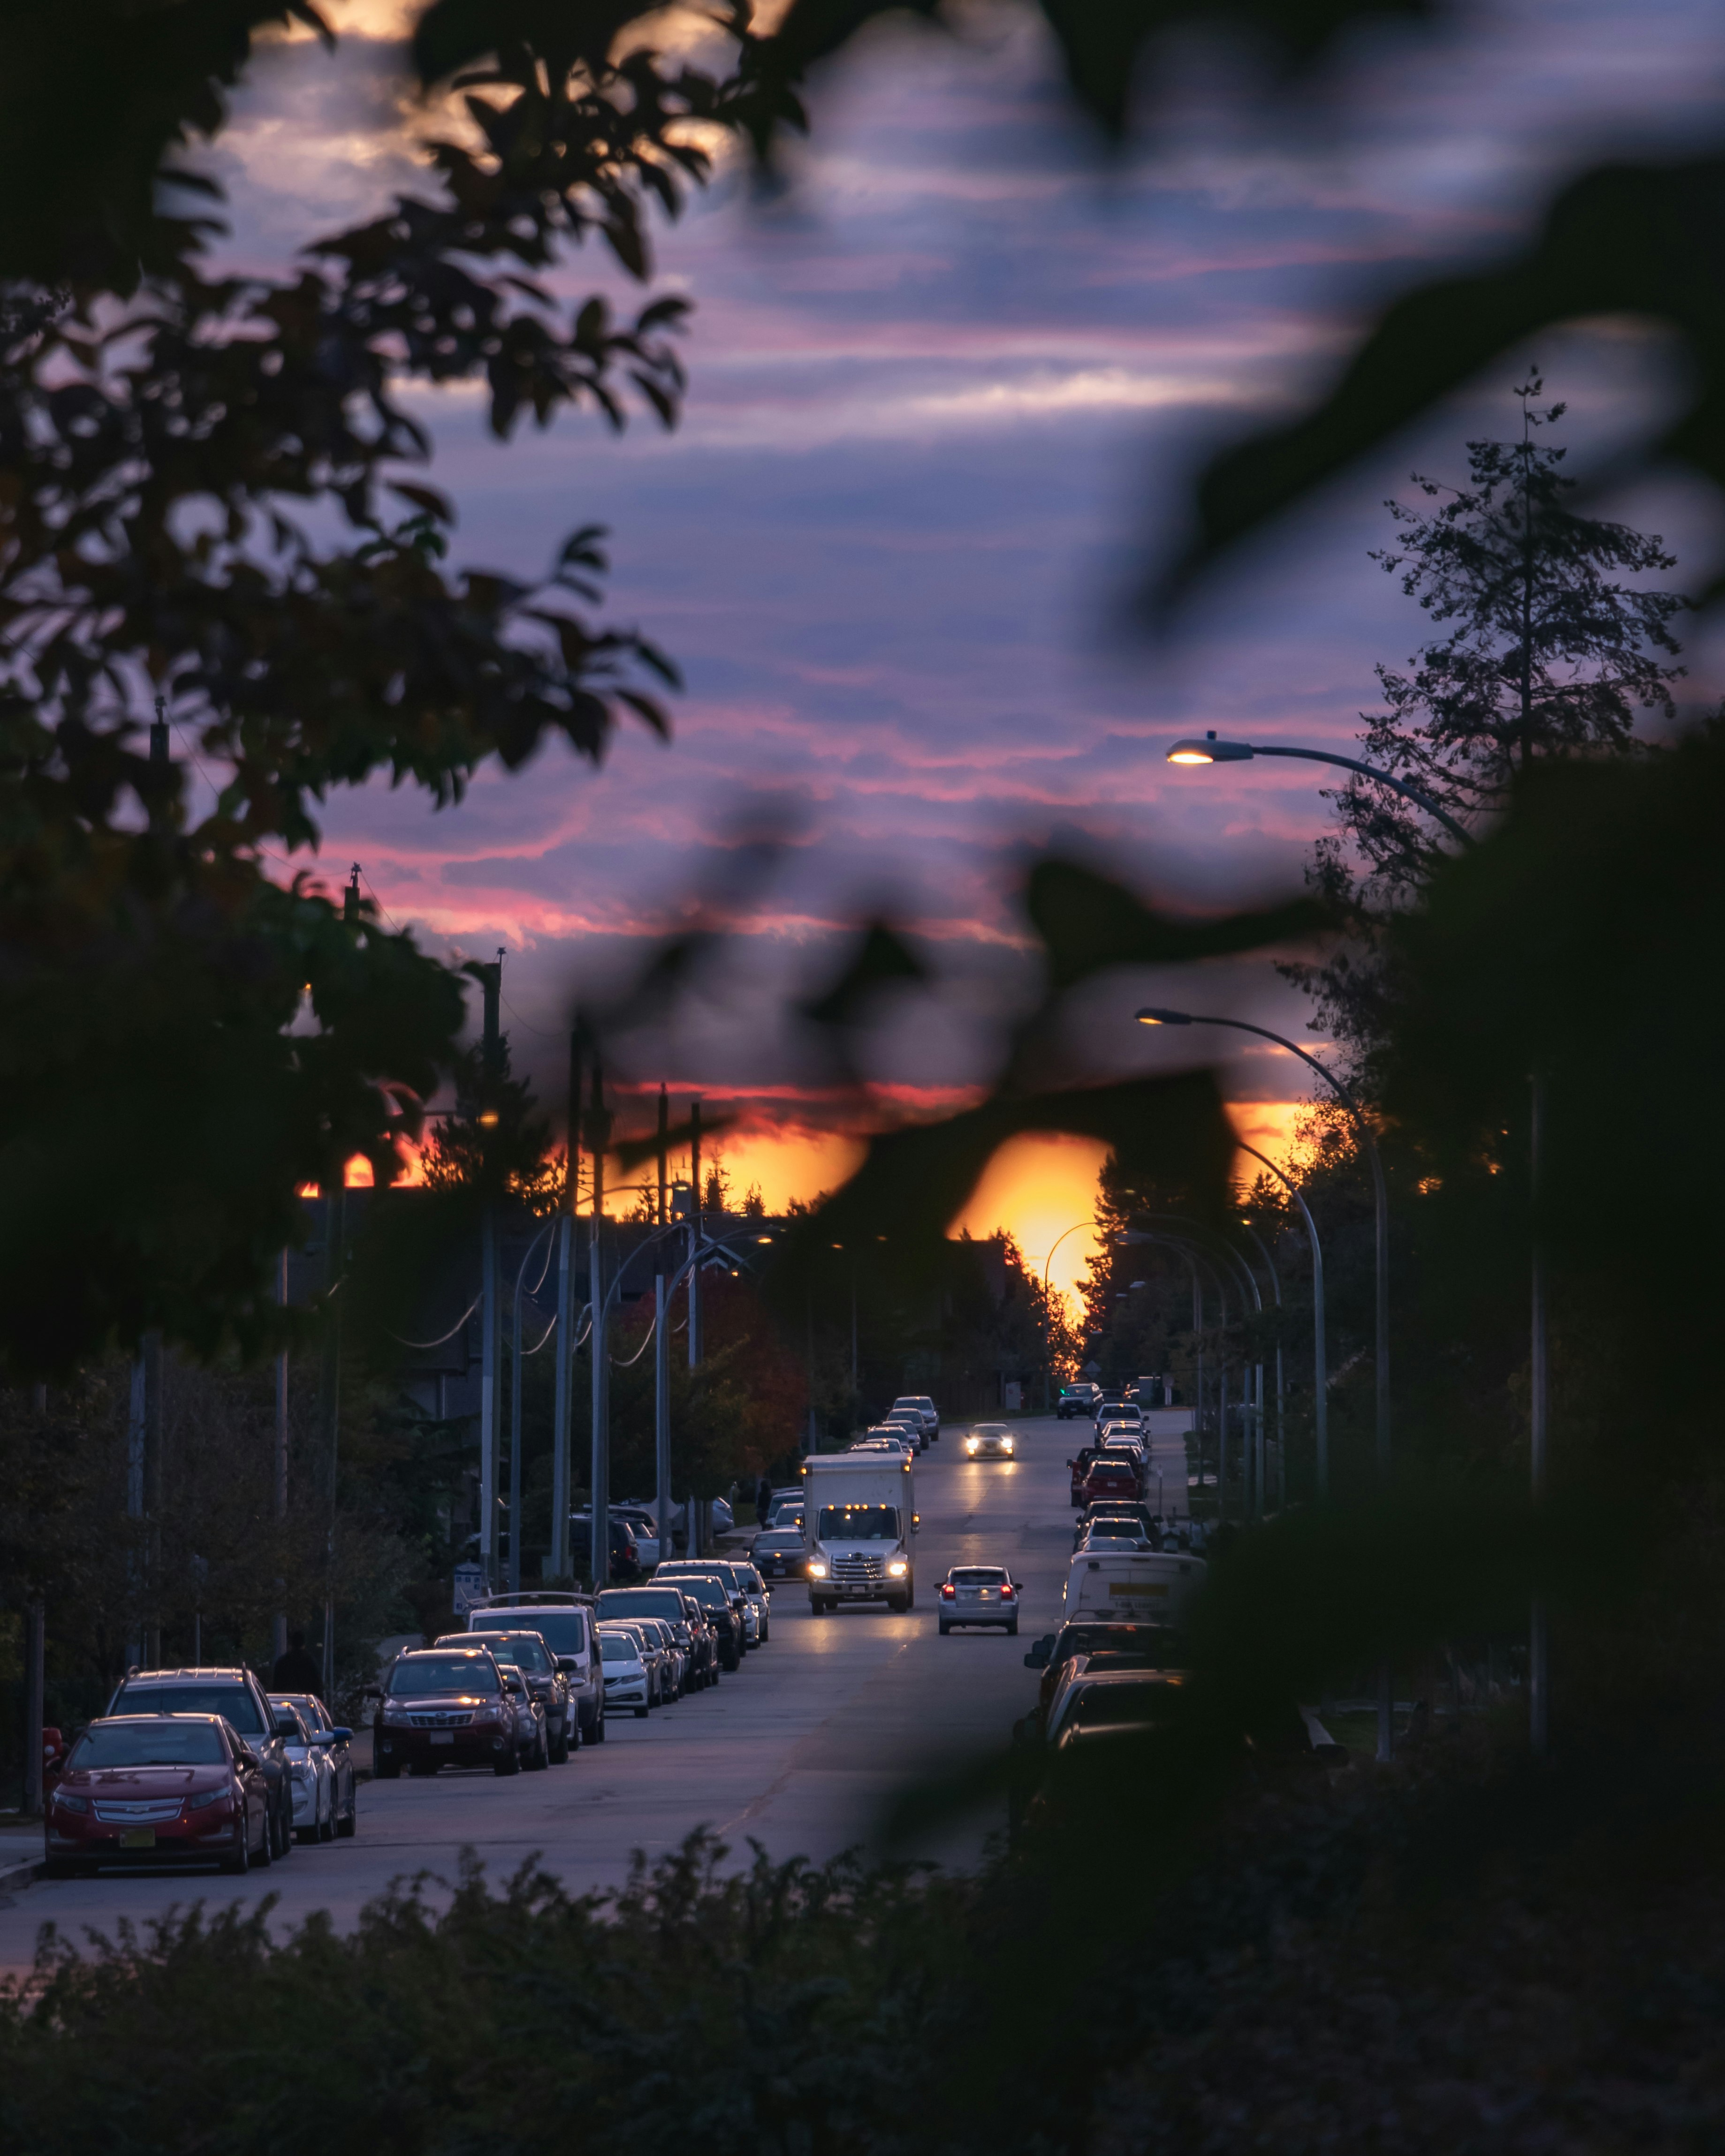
(1210, 750)
(1155, 1017)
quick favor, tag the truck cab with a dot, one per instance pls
(859, 1520)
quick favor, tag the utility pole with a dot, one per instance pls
(279, 1626)
(147, 1382)
(490, 1307)
(565, 1401)
(661, 1348)
(598, 1132)
(335, 1225)
(695, 1232)
(1538, 1643)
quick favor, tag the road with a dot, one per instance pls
(799, 1750)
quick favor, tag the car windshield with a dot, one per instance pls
(613, 1648)
(641, 1602)
(859, 1523)
(416, 1676)
(1153, 1640)
(750, 1578)
(1102, 1707)
(1115, 1531)
(710, 1594)
(526, 1653)
(309, 1710)
(148, 1744)
(993, 1430)
(237, 1701)
(564, 1631)
(978, 1575)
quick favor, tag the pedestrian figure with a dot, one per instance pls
(763, 1501)
(295, 1671)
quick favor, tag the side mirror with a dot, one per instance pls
(247, 1757)
(340, 1736)
(290, 1730)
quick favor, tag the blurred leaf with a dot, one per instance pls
(1088, 921)
(1642, 240)
(881, 960)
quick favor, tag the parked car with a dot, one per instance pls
(1118, 1508)
(1107, 1396)
(924, 1407)
(1110, 1476)
(1161, 1647)
(911, 1424)
(527, 1652)
(990, 1441)
(665, 1602)
(1076, 1399)
(564, 1621)
(749, 1578)
(720, 1605)
(1107, 1532)
(1079, 1467)
(643, 1529)
(749, 1606)
(780, 1553)
(310, 1773)
(625, 1550)
(235, 1694)
(979, 1595)
(336, 1744)
(1116, 1699)
(628, 1681)
(675, 1681)
(147, 1788)
(785, 1501)
(453, 1706)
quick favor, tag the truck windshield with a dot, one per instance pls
(564, 1631)
(859, 1523)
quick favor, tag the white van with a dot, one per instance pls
(1146, 1586)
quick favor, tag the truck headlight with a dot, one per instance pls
(817, 1567)
(898, 1567)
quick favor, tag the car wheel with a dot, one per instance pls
(1012, 1630)
(560, 1751)
(279, 1833)
(348, 1825)
(238, 1861)
(387, 1770)
(304, 1834)
(265, 1853)
(70, 1867)
(944, 1628)
(897, 1603)
(327, 1831)
(598, 1728)
(507, 1762)
(422, 1770)
(819, 1605)
(641, 1714)
(539, 1758)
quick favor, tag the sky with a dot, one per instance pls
(947, 388)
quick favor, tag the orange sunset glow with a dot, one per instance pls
(1039, 1189)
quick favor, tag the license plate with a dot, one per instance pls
(138, 1837)
(443, 1736)
(985, 1594)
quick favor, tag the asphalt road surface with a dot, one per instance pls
(799, 1750)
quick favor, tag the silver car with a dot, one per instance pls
(990, 1441)
(311, 1771)
(979, 1595)
(628, 1681)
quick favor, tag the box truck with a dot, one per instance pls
(859, 1517)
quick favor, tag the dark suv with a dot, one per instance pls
(720, 1605)
(666, 1599)
(236, 1694)
(528, 1653)
(446, 1707)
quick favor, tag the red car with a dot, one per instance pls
(1109, 1476)
(143, 1789)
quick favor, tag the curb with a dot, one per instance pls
(17, 1875)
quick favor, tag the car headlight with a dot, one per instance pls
(817, 1567)
(395, 1710)
(1008, 1444)
(898, 1567)
(209, 1797)
(65, 1801)
(970, 1445)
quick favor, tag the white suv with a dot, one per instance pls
(921, 1404)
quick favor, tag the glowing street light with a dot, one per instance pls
(1211, 750)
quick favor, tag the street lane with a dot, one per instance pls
(799, 1750)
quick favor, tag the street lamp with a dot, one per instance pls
(1210, 750)
(1154, 1016)
(1320, 1370)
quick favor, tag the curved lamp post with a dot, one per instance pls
(1319, 1368)
(1210, 750)
(1252, 1495)
(1154, 1016)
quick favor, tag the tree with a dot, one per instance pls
(1545, 652)
(161, 434)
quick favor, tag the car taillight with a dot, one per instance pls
(949, 1592)
(1008, 1592)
